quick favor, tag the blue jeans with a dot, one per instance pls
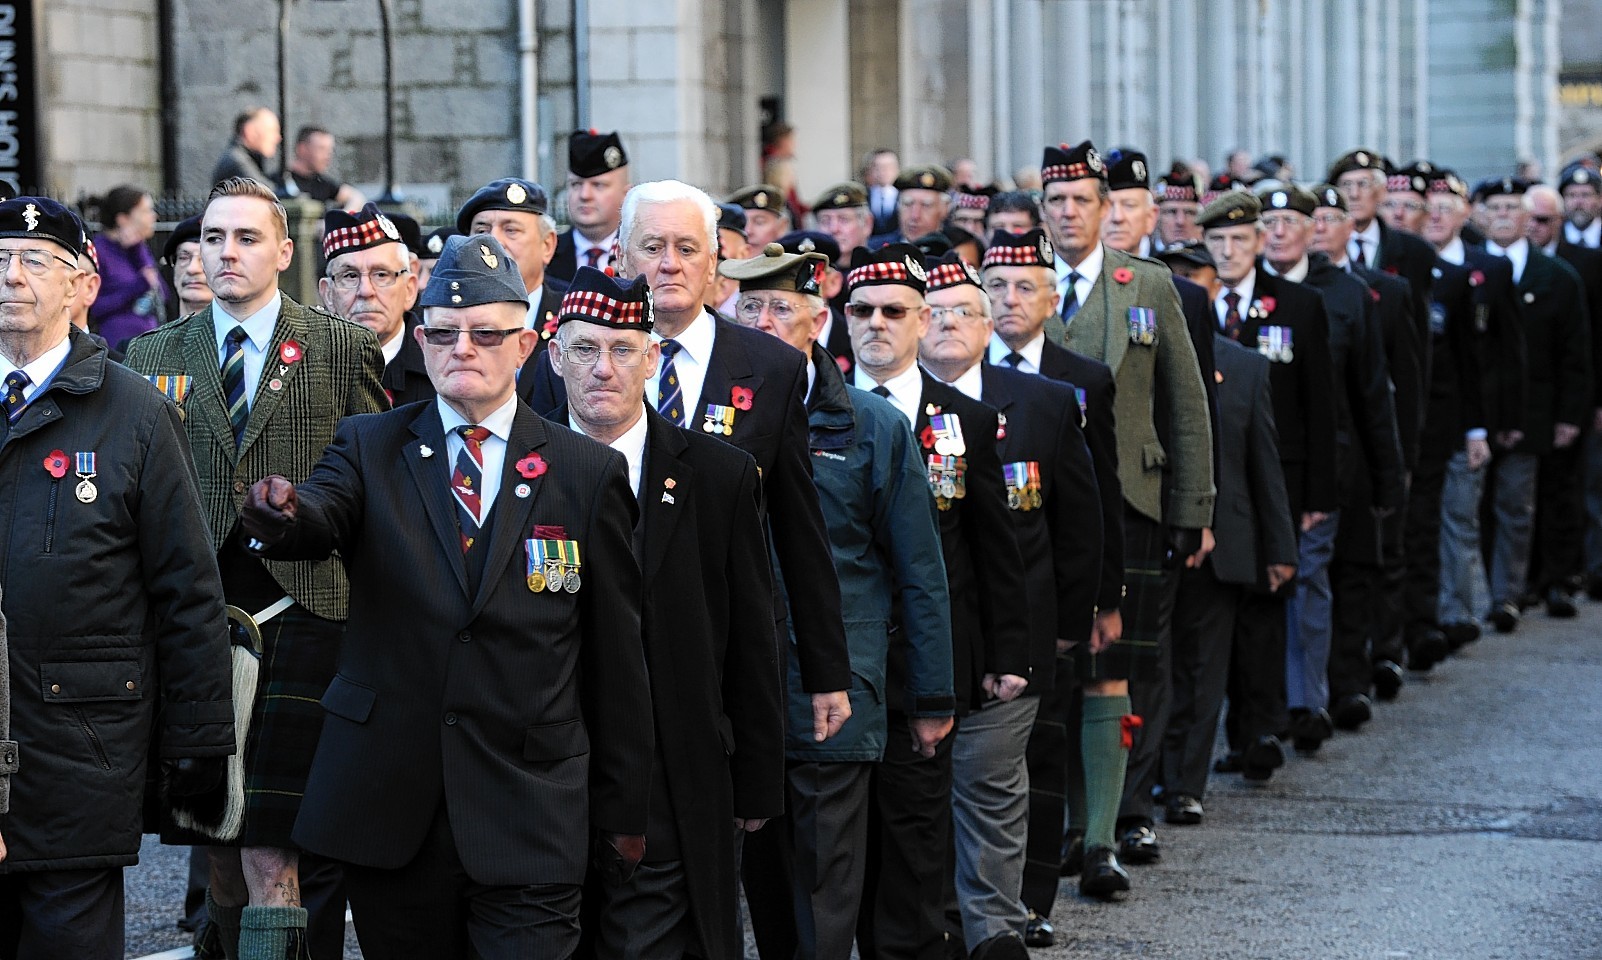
(1464, 596)
(1308, 614)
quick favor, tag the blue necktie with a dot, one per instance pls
(670, 395)
(1070, 300)
(16, 381)
(233, 378)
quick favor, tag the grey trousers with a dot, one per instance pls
(1464, 597)
(990, 817)
(829, 823)
(1309, 619)
(1513, 503)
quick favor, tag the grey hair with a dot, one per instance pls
(667, 191)
(1541, 189)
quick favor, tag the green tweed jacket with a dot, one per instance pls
(335, 374)
(1102, 330)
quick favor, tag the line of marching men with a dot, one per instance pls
(577, 577)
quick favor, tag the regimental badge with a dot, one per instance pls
(613, 157)
(435, 245)
(1529, 297)
(947, 479)
(927, 180)
(916, 269)
(973, 272)
(1139, 170)
(1362, 159)
(490, 260)
(760, 198)
(388, 226)
(947, 431)
(1142, 326)
(1093, 160)
(1437, 319)
(1046, 253)
(1023, 485)
(1274, 342)
(719, 419)
(516, 194)
(30, 213)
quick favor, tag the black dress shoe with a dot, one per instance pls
(1038, 932)
(1426, 650)
(1387, 679)
(1560, 604)
(1073, 853)
(1262, 758)
(1459, 634)
(1527, 600)
(1182, 808)
(1139, 845)
(1593, 586)
(1002, 946)
(1228, 763)
(1352, 711)
(1310, 728)
(1102, 876)
(1504, 617)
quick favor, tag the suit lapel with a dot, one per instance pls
(728, 366)
(431, 473)
(511, 522)
(205, 400)
(664, 449)
(1118, 297)
(274, 369)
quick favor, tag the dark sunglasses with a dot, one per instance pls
(863, 311)
(447, 336)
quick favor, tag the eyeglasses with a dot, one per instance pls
(348, 280)
(1411, 206)
(999, 287)
(750, 310)
(589, 354)
(447, 336)
(959, 314)
(1544, 218)
(37, 262)
(865, 311)
(1283, 221)
(1329, 219)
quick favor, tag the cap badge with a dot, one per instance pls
(1046, 252)
(1093, 160)
(761, 200)
(807, 246)
(490, 259)
(973, 274)
(1582, 176)
(841, 198)
(916, 269)
(613, 157)
(927, 180)
(1236, 213)
(1278, 199)
(1361, 158)
(1139, 169)
(435, 244)
(30, 213)
(515, 194)
(388, 226)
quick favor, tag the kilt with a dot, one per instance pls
(1146, 607)
(300, 652)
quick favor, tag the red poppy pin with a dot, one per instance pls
(844, 363)
(1374, 295)
(55, 463)
(531, 466)
(1127, 725)
(551, 323)
(927, 437)
(1123, 275)
(290, 352)
(1268, 304)
(1476, 278)
(741, 397)
(1392, 271)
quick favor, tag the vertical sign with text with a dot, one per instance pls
(20, 148)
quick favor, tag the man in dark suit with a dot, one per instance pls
(879, 172)
(369, 281)
(597, 181)
(1362, 176)
(270, 380)
(1056, 514)
(483, 720)
(1256, 552)
(905, 895)
(704, 623)
(1559, 401)
(1287, 324)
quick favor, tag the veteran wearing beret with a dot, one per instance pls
(597, 180)
(1581, 187)
(181, 254)
(842, 212)
(489, 725)
(369, 280)
(767, 217)
(923, 199)
(513, 210)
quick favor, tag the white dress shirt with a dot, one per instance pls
(695, 350)
(1517, 253)
(1452, 252)
(630, 443)
(1296, 274)
(1246, 287)
(1591, 236)
(970, 383)
(906, 389)
(1031, 352)
(391, 348)
(1089, 270)
(40, 370)
(1371, 243)
(259, 336)
(499, 425)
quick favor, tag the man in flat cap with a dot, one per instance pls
(1286, 323)
(842, 212)
(597, 180)
(1366, 436)
(706, 625)
(493, 589)
(181, 253)
(1055, 509)
(1581, 187)
(1125, 312)
(871, 482)
(923, 198)
(111, 601)
(767, 217)
(265, 381)
(835, 336)
(888, 316)
(514, 212)
(368, 280)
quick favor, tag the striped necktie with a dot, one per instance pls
(233, 378)
(467, 482)
(15, 382)
(670, 394)
(1070, 297)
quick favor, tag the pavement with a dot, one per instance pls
(1463, 823)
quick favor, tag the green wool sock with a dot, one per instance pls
(226, 920)
(266, 933)
(1074, 787)
(1101, 743)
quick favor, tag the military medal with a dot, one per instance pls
(86, 473)
(947, 429)
(535, 550)
(1142, 326)
(1016, 475)
(1036, 500)
(1285, 344)
(719, 419)
(570, 579)
(1079, 394)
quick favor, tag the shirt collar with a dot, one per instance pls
(499, 422)
(41, 369)
(1089, 268)
(906, 387)
(1296, 274)
(1453, 251)
(258, 326)
(1518, 252)
(1370, 237)
(630, 443)
(1246, 287)
(695, 340)
(582, 243)
(971, 382)
(392, 347)
(1031, 351)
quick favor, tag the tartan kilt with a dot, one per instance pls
(1146, 607)
(300, 652)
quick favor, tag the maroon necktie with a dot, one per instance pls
(593, 255)
(1232, 315)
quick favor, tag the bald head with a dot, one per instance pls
(1545, 206)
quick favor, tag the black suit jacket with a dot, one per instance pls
(1201, 323)
(1101, 436)
(1499, 325)
(774, 431)
(564, 262)
(1410, 257)
(1557, 336)
(1588, 264)
(1252, 520)
(1061, 541)
(405, 378)
(1391, 299)
(1458, 399)
(545, 326)
(839, 345)
(989, 629)
(1304, 405)
(526, 713)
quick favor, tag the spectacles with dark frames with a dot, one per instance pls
(348, 280)
(865, 311)
(447, 336)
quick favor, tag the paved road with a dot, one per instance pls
(1465, 823)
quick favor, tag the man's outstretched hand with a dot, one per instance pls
(269, 509)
